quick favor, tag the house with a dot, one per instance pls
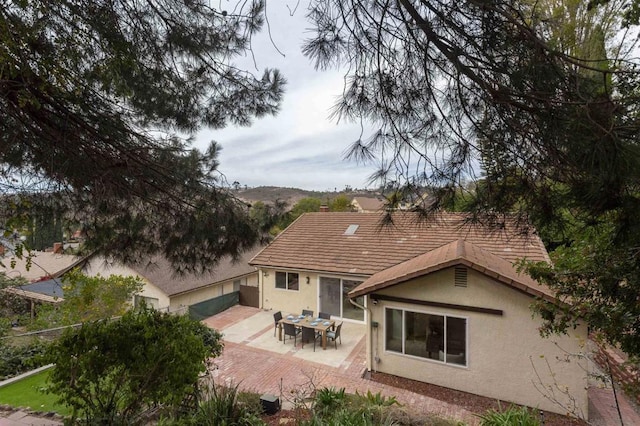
(163, 289)
(368, 204)
(199, 293)
(441, 299)
(41, 265)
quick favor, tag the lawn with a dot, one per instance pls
(27, 393)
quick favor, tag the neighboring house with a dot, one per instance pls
(368, 204)
(164, 289)
(47, 291)
(442, 302)
(41, 265)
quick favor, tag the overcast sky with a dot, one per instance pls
(300, 147)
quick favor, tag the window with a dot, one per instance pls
(287, 280)
(437, 337)
(236, 285)
(151, 302)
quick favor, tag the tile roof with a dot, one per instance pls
(42, 264)
(159, 272)
(317, 241)
(370, 204)
(458, 252)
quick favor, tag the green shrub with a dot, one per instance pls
(15, 360)
(226, 406)
(329, 399)
(512, 416)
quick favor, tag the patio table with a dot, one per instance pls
(320, 325)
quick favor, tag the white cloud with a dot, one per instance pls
(300, 147)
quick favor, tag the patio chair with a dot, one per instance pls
(291, 331)
(307, 313)
(324, 315)
(309, 334)
(335, 335)
(276, 318)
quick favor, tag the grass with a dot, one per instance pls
(28, 393)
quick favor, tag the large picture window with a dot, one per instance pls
(437, 337)
(287, 280)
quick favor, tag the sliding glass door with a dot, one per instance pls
(335, 301)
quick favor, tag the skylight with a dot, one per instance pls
(351, 230)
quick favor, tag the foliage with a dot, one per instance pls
(17, 359)
(329, 398)
(520, 416)
(224, 407)
(220, 406)
(334, 407)
(596, 279)
(268, 217)
(12, 306)
(304, 205)
(91, 298)
(110, 371)
(340, 203)
(88, 299)
(99, 100)
(538, 98)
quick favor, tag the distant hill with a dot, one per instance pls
(269, 194)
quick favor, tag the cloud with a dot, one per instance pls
(300, 147)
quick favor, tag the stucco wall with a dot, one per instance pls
(289, 301)
(97, 265)
(507, 359)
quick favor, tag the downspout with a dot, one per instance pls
(372, 361)
(261, 287)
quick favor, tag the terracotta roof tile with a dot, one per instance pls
(317, 241)
(458, 252)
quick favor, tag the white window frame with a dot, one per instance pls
(404, 335)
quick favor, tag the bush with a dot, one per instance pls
(227, 406)
(512, 416)
(112, 371)
(15, 360)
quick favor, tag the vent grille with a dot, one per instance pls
(460, 279)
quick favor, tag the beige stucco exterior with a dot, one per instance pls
(506, 357)
(98, 265)
(294, 301)
(276, 299)
(174, 303)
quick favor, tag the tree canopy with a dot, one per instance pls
(96, 99)
(538, 99)
(110, 371)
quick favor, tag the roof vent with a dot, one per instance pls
(460, 277)
(351, 230)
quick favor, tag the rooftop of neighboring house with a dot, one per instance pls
(358, 243)
(369, 204)
(160, 273)
(41, 265)
(50, 291)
